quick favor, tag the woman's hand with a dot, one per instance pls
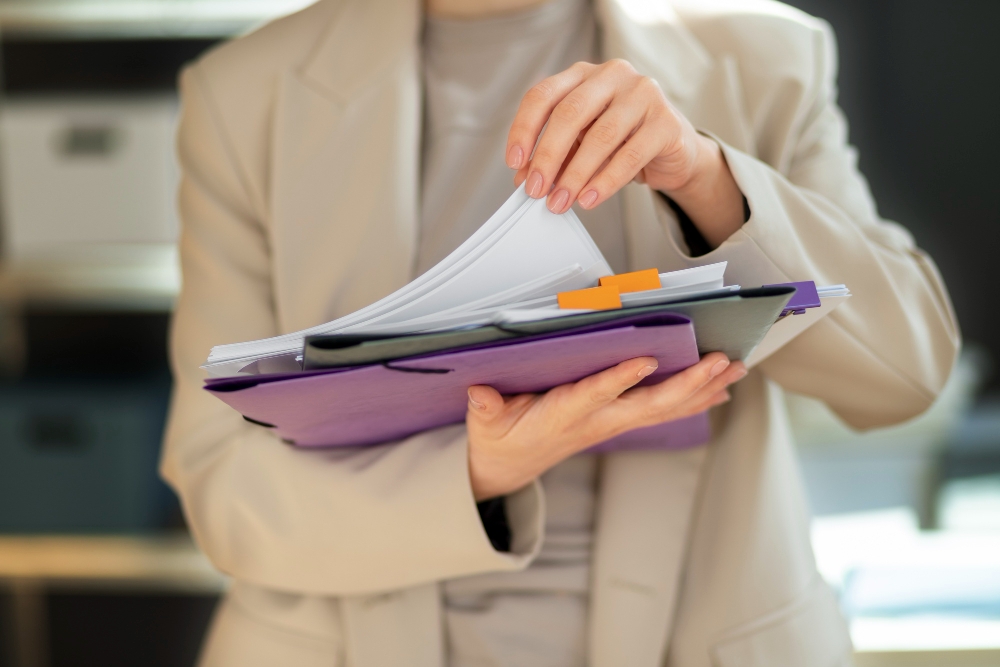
(514, 440)
(608, 125)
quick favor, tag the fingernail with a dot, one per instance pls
(476, 404)
(588, 198)
(514, 157)
(559, 201)
(718, 368)
(646, 371)
(534, 185)
(740, 374)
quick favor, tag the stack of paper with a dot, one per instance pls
(348, 406)
(510, 270)
(490, 313)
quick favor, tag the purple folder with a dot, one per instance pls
(383, 402)
(806, 296)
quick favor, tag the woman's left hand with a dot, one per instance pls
(608, 125)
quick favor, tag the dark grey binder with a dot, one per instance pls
(733, 324)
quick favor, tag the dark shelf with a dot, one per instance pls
(37, 66)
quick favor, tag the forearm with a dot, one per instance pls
(337, 522)
(883, 355)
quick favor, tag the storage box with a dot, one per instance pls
(81, 456)
(84, 171)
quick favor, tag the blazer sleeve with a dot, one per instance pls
(350, 521)
(885, 354)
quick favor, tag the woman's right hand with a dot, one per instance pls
(514, 440)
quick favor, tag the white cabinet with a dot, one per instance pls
(84, 172)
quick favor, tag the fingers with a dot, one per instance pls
(485, 403)
(715, 392)
(565, 105)
(568, 119)
(600, 143)
(596, 391)
(637, 125)
(489, 410)
(534, 111)
(684, 384)
(594, 188)
(731, 373)
(718, 398)
(698, 403)
(664, 401)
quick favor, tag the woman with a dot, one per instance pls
(334, 155)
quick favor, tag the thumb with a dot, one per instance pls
(485, 403)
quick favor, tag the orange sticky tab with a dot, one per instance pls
(594, 298)
(637, 281)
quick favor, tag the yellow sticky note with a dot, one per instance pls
(636, 281)
(594, 298)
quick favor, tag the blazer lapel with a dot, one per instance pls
(647, 498)
(344, 218)
(343, 180)
(643, 518)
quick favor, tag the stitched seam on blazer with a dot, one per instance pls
(331, 25)
(910, 382)
(770, 618)
(220, 129)
(905, 379)
(319, 640)
(776, 618)
(701, 489)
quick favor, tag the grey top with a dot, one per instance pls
(475, 73)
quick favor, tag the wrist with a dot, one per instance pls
(710, 195)
(708, 167)
(494, 476)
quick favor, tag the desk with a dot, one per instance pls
(879, 541)
(956, 658)
(926, 642)
(29, 565)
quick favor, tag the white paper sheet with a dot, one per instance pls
(518, 261)
(521, 244)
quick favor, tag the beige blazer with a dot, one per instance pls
(300, 150)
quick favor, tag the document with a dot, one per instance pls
(519, 260)
(526, 304)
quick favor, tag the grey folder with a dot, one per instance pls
(733, 324)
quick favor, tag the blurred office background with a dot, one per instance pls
(95, 564)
